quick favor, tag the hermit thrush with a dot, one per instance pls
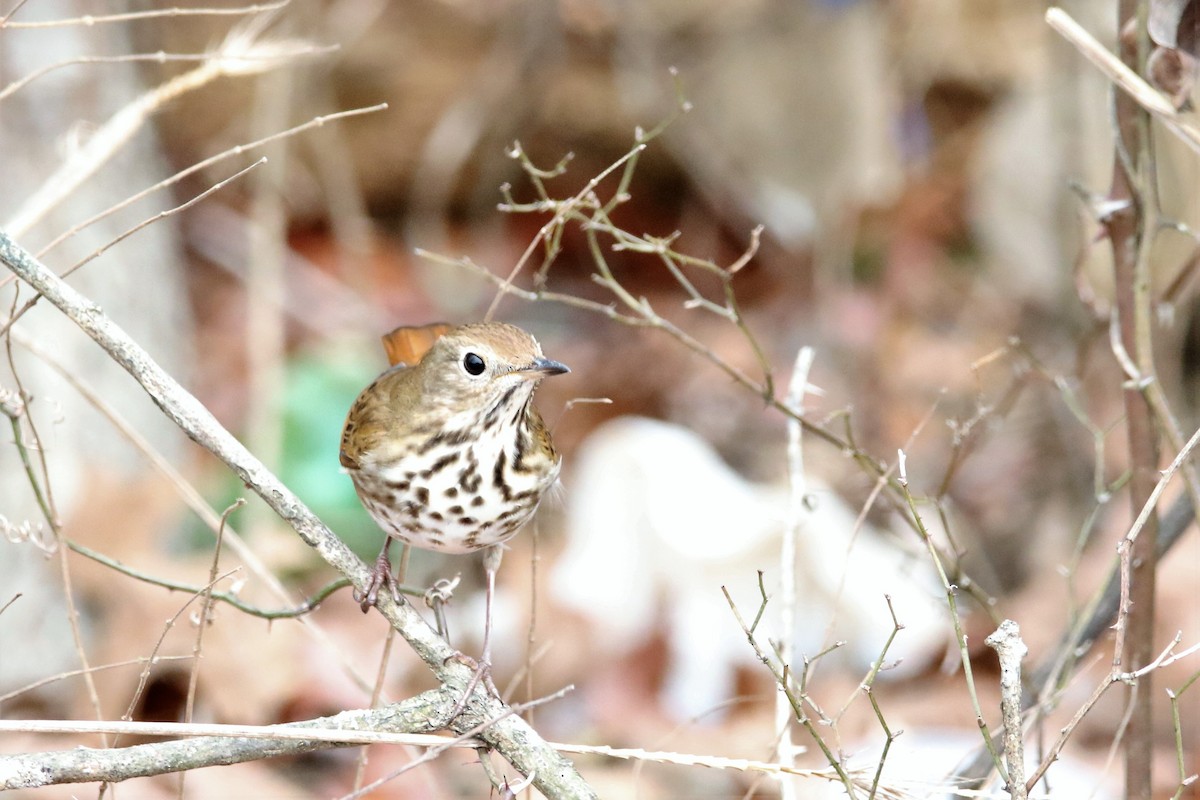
(445, 448)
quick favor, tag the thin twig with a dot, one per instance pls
(203, 620)
(1152, 501)
(360, 769)
(16, 7)
(30, 687)
(780, 671)
(868, 688)
(152, 661)
(1006, 641)
(1185, 780)
(307, 606)
(1115, 676)
(951, 592)
(236, 150)
(319, 730)
(1143, 93)
(798, 516)
(239, 55)
(89, 20)
(31, 302)
(712, 762)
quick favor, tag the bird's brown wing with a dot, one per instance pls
(408, 344)
(373, 419)
(351, 447)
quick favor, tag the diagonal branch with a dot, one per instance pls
(510, 736)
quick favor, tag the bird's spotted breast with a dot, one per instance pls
(444, 498)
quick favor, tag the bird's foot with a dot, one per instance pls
(482, 672)
(381, 577)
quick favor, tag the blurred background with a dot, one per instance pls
(925, 172)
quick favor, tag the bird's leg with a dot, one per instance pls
(381, 575)
(483, 667)
(491, 565)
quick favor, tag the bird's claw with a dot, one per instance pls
(482, 672)
(381, 576)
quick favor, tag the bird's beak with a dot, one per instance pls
(541, 367)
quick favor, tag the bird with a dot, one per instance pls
(446, 450)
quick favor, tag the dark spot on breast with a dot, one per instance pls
(452, 491)
(477, 501)
(498, 476)
(444, 461)
(449, 437)
(440, 464)
(467, 520)
(493, 414)
(519, 456)
(468, 478)
(455, 509)
(422, 495)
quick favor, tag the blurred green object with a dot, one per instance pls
(319, 388)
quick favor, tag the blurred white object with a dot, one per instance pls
(658, 523)
(916, 759)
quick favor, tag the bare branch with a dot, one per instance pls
(222, 744)
(240, 54)
(1146, 95)
(1006, 641)
(509, 735)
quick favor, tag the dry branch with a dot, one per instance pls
(510, 736)
(1006, 641)
(86, 765)
(1129, 81)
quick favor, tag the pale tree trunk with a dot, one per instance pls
(139, 282)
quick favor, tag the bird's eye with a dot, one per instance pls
(473, 364)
